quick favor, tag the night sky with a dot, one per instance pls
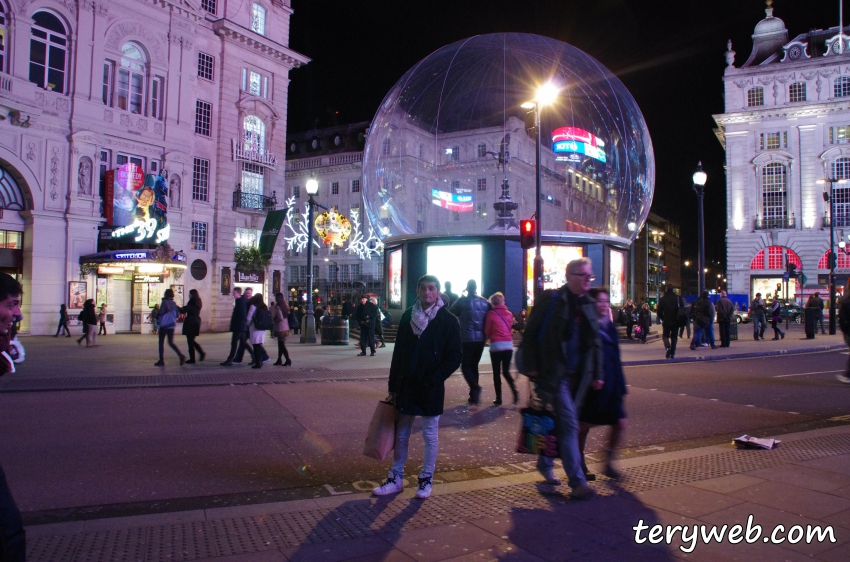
(669, 54)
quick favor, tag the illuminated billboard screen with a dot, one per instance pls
(617, 277)
(460, 202)
(394, 275)
(457, 263)
(572, 142)
(555, 260)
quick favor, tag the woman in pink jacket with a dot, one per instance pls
(497, 328)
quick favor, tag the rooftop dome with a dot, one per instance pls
(769, 26)
(450, 150)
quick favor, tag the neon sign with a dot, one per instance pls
(144, 230)
(574, 141)
(459, 202)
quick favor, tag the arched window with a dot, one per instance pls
(130, 84)
(841, 87)
(841, 192)
(258, 19)
(773, 195)
(48, 52)
(255, 133)
(4, 37)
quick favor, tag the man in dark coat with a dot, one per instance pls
(668, 313)
(347, 311)
(725, 309)
(238, 327)
(817, 303)
(562, 351)
(366, 317)
(449, 294)
(427, 351)
(471, 310)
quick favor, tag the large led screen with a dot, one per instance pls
(617, 277)
(457, 263)
(555, 260)
(394, 292)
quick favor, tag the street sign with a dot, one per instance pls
(786, 276)
(803, 278)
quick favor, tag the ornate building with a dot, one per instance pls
(93, 96)
(786, 125)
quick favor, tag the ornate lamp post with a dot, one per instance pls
(833, 258)
(308, 327)
(699, 188)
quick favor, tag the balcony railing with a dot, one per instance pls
(771, 223)
(840, 221)
(253, 201)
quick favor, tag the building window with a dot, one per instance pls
(130, 85)
(48, 52)
(205, 66)
(773, 141)
(841, 87)
(797, 92)
(296, 191)
(334, 188)
(455, 186)
(200, 179)
(258, 19)
(453, 154)
(253, 178)
(481, 210)
(841, 191)
(773, 191)
(4, 38)
(755, 97)
(208, 5)
(455, 216)
(482, 149)
(122, 159)
(105, 160)
(839, 135)
(203, 117)
(481, 184)
(248, 237)
(421, 151)
(420, 227)
(108, 79)
(385, 147)
(255, 83)
(199, 236)
(355, 186)
(255, 133)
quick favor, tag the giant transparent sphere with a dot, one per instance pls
(452, 152)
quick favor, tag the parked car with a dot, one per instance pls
(742, 316)
(792, 311)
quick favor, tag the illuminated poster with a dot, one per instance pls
(555, 260)
(178, 295)
(129, 181)
(140, 205)
(460, 202)
(76, 294)
(154, 296)
(333, 227)
(617, 278)
(394, 275)
(575, 141)
(100, 291)
(457, 263)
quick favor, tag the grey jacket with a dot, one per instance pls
(471, 311)
(725, 310)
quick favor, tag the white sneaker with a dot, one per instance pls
(425, 488)
(393, 485)
(843, 378)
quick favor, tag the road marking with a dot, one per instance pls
(812, 373)
(683, 395)
(653, 448)
(750, 406)
(840, 418)
(714, 399)
(795, 413)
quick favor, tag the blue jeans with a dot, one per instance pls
(430, 427)
(566, 428)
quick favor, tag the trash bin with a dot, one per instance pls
(733, 331)
(811, 320)
(334, 330)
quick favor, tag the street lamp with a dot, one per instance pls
(833, 258)
(699, 189)
(545, 95)
(308, 329)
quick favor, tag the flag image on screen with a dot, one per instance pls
(461, 203)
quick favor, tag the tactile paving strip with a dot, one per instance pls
(241, 535)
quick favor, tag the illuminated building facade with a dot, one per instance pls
(125, 124)
(658, 260)
(786, 125)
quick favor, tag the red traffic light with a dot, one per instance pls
(527, 238)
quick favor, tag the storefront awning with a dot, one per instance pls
(130, 258)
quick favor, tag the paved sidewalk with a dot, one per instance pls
(803, 483)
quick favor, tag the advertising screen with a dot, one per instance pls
(555, 260)
(572, 140)
(617, 277)
(460, 202)
(139, 205)
(394, 275)
(457, 263)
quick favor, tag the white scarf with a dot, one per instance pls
(419, 318)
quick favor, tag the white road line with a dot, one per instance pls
(803, 374)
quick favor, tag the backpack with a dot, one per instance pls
(263, 319)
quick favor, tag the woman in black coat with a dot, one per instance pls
(604, 404)
(192, 324)
(644, 321)
(89, 318)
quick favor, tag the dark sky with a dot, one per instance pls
(669, 54)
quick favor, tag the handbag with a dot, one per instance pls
(381, 434)
(537, 433)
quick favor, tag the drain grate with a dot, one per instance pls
(241, 535)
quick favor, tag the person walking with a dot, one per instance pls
(470, 311)
(776, 318)
(428, 349)
(63, 322)
(562, 353)
(89, 319)
(280, 319)
(168, 311)
(379, 328)
(294, 323)
(497, 329)
(644, 321)
(192, 325)
(725, 309)
(844, 323)
(757, 314)
(238, 327)
(259, 320)
(628, 316)
(155, 318)
(817, 303)
(366, 316)
(684, 317)
(604, 406)
(101, 319)
(668, 312)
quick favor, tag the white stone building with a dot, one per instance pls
(197, 89)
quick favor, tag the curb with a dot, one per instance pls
(736, 356)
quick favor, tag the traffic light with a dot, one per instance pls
(664, 272)
(833, 260)
(527, 230)
(792, 270)
(779, 287)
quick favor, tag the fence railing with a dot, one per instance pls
(253, 201)
(770, 223)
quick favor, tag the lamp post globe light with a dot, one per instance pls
(833, 258)
(308, 326)
(546, 94)
(699, 188)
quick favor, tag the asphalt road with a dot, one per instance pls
(94, 453)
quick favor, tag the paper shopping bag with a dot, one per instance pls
(381, 435)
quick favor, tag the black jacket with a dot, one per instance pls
(239, 318)
(668, 310)
(421, 365)
(366, 315)
(471, 311)
(192, 323)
